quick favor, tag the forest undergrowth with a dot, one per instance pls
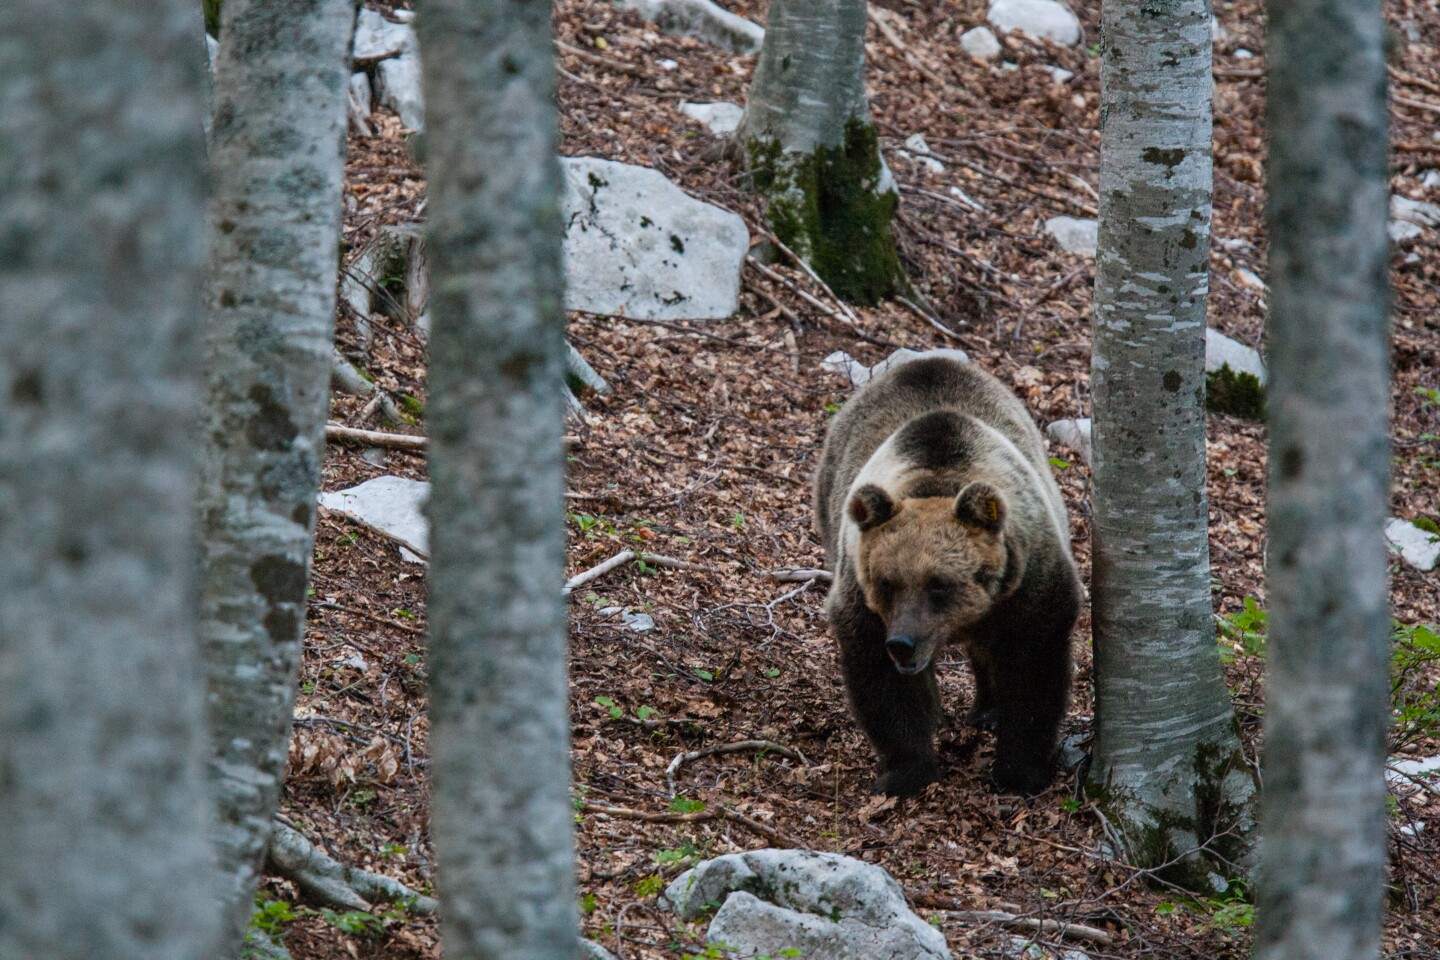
(704, 452)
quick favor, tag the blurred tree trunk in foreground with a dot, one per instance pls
(277, 163)
(103, 837)
(501, 802)
(1168, 769)
(809, 144)
(1322, 875)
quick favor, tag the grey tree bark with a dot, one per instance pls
(1167, 763)
(102, 729)
(1322, 864)
(501, 802)
(811, 149)
(277, 163)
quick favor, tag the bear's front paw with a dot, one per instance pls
(906, 780)
(1027, 779)
(984, 718)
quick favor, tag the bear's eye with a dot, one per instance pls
(939, 589)
(885, 590)
(983, 576)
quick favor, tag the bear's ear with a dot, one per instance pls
(981, 505)
(870, 507)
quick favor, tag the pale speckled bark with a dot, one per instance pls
(1166, 754)
(1323, 817)
(810, 78)
(501, 803)
(277, 163)
(103, 848)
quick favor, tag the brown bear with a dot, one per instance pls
(942, 523)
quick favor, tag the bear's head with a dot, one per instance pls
(931, 567)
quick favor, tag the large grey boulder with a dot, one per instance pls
(819, 904)
(1039, 19)
(637, 245)
(701, 20)
(1074, 434)
(393, 505)
(378, 39)
(399, 80)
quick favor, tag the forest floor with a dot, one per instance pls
(704, 452)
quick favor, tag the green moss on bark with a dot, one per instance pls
(1238, 394)
(826, 207)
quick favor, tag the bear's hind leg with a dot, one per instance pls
(983, 715)
(898, 713)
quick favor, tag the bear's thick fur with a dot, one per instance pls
(942, 523)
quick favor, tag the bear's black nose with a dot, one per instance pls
(901, 648)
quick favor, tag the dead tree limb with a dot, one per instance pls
(736, 747)
(331, 882)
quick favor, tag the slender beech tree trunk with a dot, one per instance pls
(499, 708)
(811, 149)
(1322, 864)
(103, 807)
(277, 162)
(1167, 762)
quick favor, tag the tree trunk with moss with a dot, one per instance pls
(277, 162)
(1167, 767)
(1322, 870)
(104, 847)
(811, 149)
(499, 706)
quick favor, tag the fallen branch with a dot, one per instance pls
(331, 882)
(1059, 928)
(699, 816)
(737, 747)
(374, 438)
(1405, 101)
(815, 302)
(626, 556)
(799, 574)
(839, 304)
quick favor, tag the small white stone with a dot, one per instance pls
(1217, 32)
(356, 662)
(1249, 278)
(842, 364)
(1222, 351)
(1417, 212)
(1040, 19)
(1430, 180)
(1243, 54)
(1402, 230)
(1234, 243)
(1074, 434)
(1418, 547)
(1077, 236)
(1061, 75)
(1007, 66)
(981, 43)
(720, 118)
(665, 63)
(403, 16)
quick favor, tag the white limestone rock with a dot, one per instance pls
(1023, 948)
(702, 20)
(1402, 230)
(1418, 547)
(360, 97)
(1061, 75)
(378, 39)
(1074, 434)
(1250, 279)
(1039, 19)
(637, 245)
(1418, 212)
(394, 505)
(819, 904)
(981, 43)
(844, 365)
(212, 52)
(1074, 235)
(1221, 351)
(1430, 180)
(720, 118)
(400, 89)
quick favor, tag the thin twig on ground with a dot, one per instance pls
(739, 746)
(699, 816)
(1056, 928)
(626, 556)
(799, 574)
